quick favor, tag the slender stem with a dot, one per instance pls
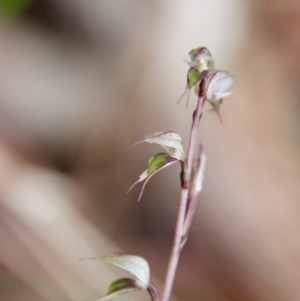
(176, 248)
(191, 208)
(152, 289)
(185, 179)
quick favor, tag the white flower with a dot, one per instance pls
(216, 82)
(219, 82)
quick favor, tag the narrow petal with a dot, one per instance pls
(155, 164)
(142, 177)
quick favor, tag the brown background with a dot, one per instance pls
(81, 81)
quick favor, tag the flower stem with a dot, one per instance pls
(176, 248)
(185, 181)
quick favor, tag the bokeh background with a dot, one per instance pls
(81, 82)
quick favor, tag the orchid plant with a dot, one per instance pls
(210, 86)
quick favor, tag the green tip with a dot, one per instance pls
(193, 77)
(157, 161)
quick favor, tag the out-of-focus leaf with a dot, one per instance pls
(171, 141)
(119, 287)
(9, 9)
(155, 164)
(136, 265)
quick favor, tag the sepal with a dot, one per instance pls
(171, 141)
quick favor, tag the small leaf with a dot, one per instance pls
(136, 265)
(155, 164)
(119, 287)
(171, 141)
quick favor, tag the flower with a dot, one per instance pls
(218, 81)
(202, 69)
(201, 59)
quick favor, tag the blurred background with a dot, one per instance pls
(81, 82)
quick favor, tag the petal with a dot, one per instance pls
(219, 83)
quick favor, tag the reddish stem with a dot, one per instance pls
(185, 182)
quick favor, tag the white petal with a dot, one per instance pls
(218, 96)
(219, 83)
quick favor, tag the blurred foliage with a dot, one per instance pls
(10, 9)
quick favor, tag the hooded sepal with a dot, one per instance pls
(171, 141)
(201, 59)
(136, 265)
